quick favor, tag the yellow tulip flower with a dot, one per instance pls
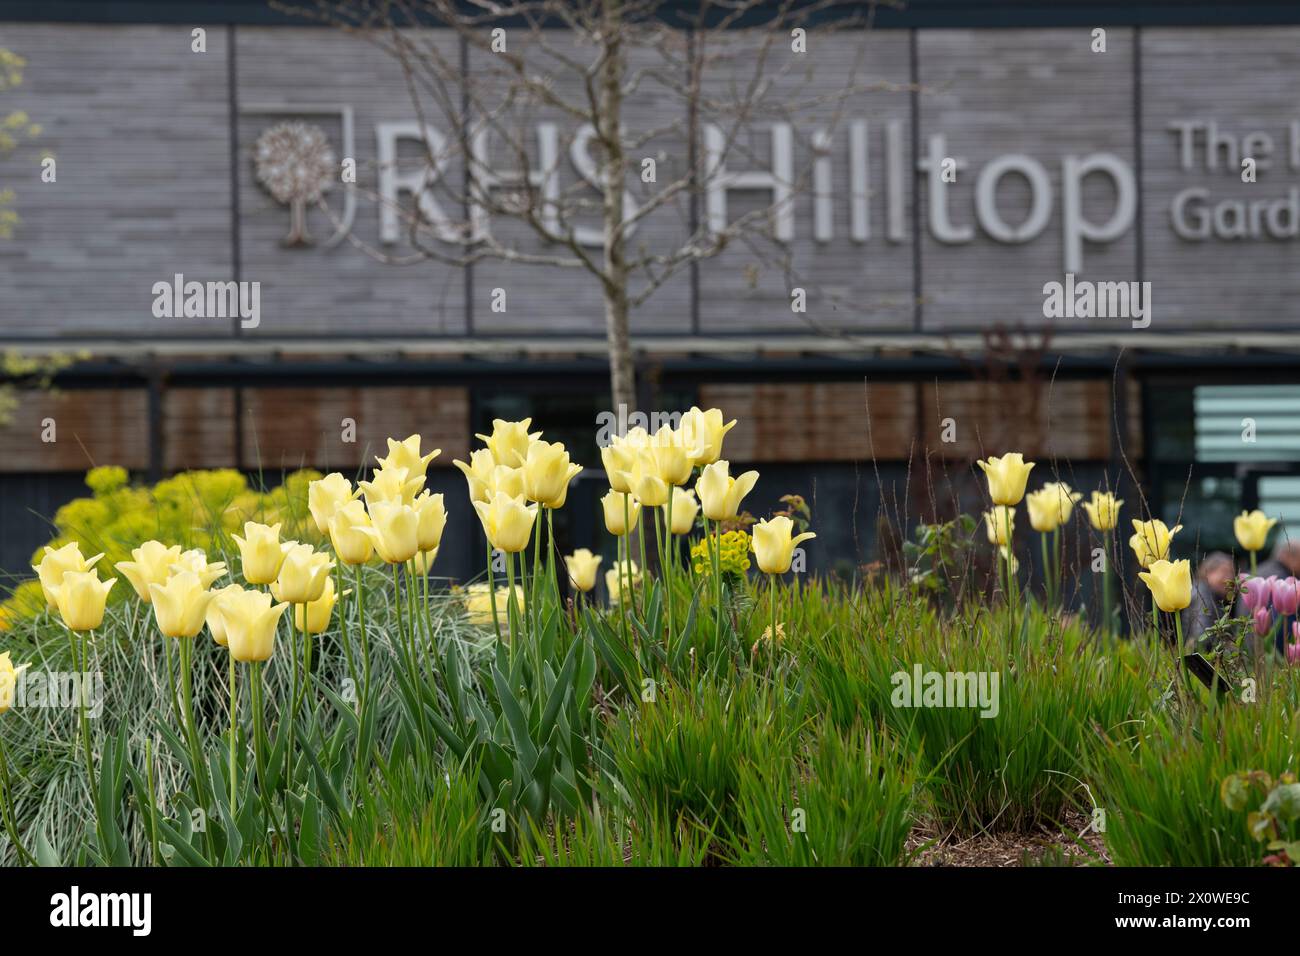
(507, 521)
(1010, 558)
(1252, 528)
(1051, 505)
(478, 473)
(9, 677)
(406, 454)
(260, 552)
(509, 441)
(582, 566)
(668, 453)
(57, 562)
(685, 508)
(195, 560)
(996, 522)
(80, 598)
(618, 577)
(1170, 584)
(703, 432)
(721, 494)
(216, 625)
(613, 504)
(348, 534)
(181, 605)
(547, 472)
(433, 519)
(250, 623)
(478, 603)
(391, 484)
(509, 481)
(773, 545)
(394, 528)
(152, 565)
(1150, 541)
(303, 575)
(1007, 477)
(618, 458)
(318, 612)
(325, 496)
(644, 480)
(1103, 510)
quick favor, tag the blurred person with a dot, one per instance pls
(1209, 591)
(1284, 563)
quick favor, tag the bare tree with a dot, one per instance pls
(662, 110)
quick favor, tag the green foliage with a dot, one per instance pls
(939, 561)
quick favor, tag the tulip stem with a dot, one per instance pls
(234, 717)
(510, 602)
(1047, 571)
(670, 570)
(343, 620)
(533, 616)
(1105, 584)
(622, 552)
(255, 688)
(1253, 556)
(365, 642)
(645, 565)
(492, 592)
(7, 805)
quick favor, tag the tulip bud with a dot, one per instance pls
(9, 676)
(1256, 593)
(406, 454)
(250, 623)
(391, 484)
(1007, 477)
(582, 566)
(478, 473)
(303, 575)
(260, 552)
(1252, 528)
(318, 612)
(216, 624)
(1170, 583)
(547, 472)
(55, 563)
(195, 560)
(668, 458)
(433, 519)
(1286, 596)
(1050, 506)
(1151, 540)
(152, 565)
(394, 529)
(618, 458)
(348, 535)
(80, 598)
(1000, 524)
(479, 599)
(180, 606)
(509, 441)
(325, 496)
(702, 434)
(507, 522)
(626, 574)
(773, 545)
(720, 494)
(1103, 510)
(685, 508)
(621, 512)
(1263, 621)
(650, 489)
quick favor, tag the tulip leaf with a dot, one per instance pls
(45, 854)
(515, 718)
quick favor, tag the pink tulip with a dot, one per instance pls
(1286, 596)
(1293, 650)
(1255, 594)
(1263, 621)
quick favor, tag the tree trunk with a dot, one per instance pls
(622, 376)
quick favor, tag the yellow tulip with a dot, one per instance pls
(216, 625)
(433, 519)
(348, 534)
(1051, 505)
(325, 496)
(773, 545)
(1252, 528)
(668, 452)
(181, 605)
(618, 458)
(1103, 510)
(195, 560)
(1010, 558)
(478, 602)
(303, 575)
(394, 528)
(260, 552)
(703, 433)
(995, 524)
(478, 473)
(685, 508)
(1170, 584)
(507, 521)
(650, 489)
(9, 677)
(582, 566)
(318, 612)
(406, 454)
(250, 623)
(619, 576)
(80, 598)
(56, 563)
(509, 441)
(1007, 477)
(547, 472)
(152, 565)
(1150, 541)
(720, 494)
(391, 484)
(613, 505)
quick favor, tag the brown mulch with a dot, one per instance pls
(1047, 846)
